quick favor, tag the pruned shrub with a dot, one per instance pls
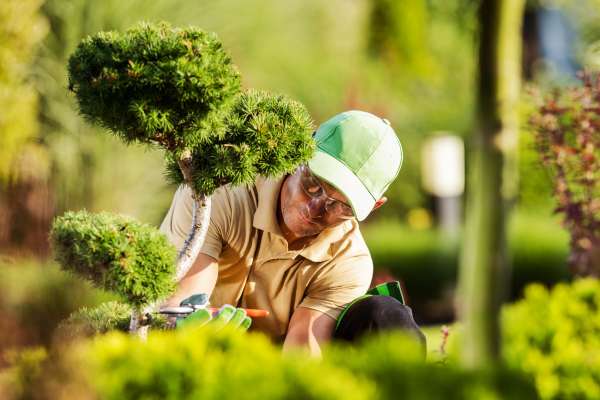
(153, 83)
(116, 253)
(108, 316)
(262, 134)
(177, 88)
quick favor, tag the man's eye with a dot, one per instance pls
(341, 208)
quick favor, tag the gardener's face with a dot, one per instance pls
(308, 205)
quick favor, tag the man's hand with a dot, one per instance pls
(227, 315)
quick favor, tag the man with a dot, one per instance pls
(292, 245)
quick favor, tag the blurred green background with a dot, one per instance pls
(412, 62)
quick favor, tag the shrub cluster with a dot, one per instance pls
(116, 253)
(262, 134)
(206, 363)
(555, 336)
(154, 83)
(394, 363)
(201, 362)
(568, 142)
(106, 317)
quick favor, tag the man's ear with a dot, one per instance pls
(379, 203)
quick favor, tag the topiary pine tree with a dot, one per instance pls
(177, 88)
(118, 254)
(153, 84)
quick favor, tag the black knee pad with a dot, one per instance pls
(377, 314)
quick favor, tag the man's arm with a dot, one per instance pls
(310, 329)
(201, 278)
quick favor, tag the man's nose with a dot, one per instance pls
(316, 207)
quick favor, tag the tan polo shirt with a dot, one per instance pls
(256, 268)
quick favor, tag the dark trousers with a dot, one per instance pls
(375, 314)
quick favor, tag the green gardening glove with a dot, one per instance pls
(227, 315)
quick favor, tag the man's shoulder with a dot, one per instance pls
(241, 196)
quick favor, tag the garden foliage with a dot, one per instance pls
(116, 253)
(555, 336)
(154, 83)
(567, 137)
(106, 317)
(394, 363)
(21, 28)
(262, 134)
(201, 362)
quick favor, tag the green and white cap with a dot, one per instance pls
(359, 154)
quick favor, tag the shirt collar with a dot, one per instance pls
(265, 218)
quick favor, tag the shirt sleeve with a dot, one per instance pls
(178, 221)
(338, 285)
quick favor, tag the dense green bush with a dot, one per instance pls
(555, 336)
(154, 83)
(394, 363)
(262, 134)
(202, 362)
(108, 316)
(116, 253)
(205, 363)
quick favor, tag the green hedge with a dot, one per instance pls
(205, 363)
(551, 335)
(555, 336)
(427, 261)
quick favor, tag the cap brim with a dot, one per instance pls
(339, 176)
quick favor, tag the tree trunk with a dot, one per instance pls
(191, 248)
(200, 220)
(195, 240)
(492, 181)
(135, 325)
